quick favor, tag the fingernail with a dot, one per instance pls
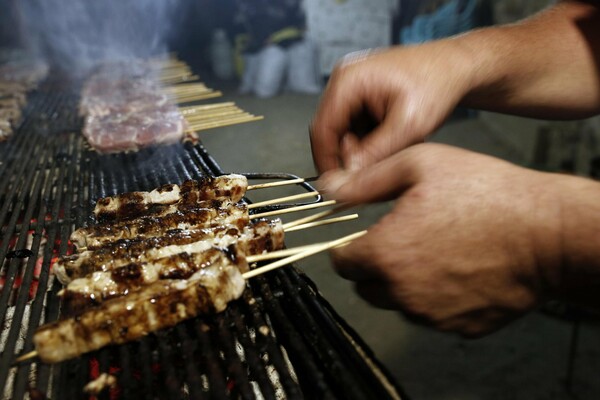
(331, 183)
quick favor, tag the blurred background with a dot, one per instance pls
(273, 58)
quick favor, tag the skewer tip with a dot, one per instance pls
(25, 357)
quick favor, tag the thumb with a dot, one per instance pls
(382, 181)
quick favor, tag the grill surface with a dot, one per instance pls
(280, 340)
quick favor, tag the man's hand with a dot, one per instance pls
(396, 96)
(378, 103)
(472, 242)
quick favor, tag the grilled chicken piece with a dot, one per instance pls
(135, 204)
(258, 237)
(162, 304)
(83, 293)
(145, 227)
(178, 262)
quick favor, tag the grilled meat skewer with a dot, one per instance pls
(84, 293)
(162, 304)
(258, 236)
(160, 210)
(100, 286)
(135, 204)
(145, 227)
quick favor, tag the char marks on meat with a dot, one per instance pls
(260, 236)
(83, 293)
(159, 305)
(190, 194)
(151, 226)
(159, 258)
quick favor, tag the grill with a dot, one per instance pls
(280, 340)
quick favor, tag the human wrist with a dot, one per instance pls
(580, 236)
(487, 70)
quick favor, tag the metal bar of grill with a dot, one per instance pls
(280, 340)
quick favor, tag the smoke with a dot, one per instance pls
(73, 35)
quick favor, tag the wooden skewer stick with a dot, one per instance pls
(199, 92)
(281, 253)
(310, 250)
(315, 217)
(323, 222)
(215, 114)
(184, 79)
(187, 86)
(193, 109)
(179, 77)
(304, 254)
(288, 252)
(26, 357)
(232, 120)
(293, 209)
(199, 97)
(295, 250)
(165, 61)
(193, 112)
(283, 200)
(199, 109)
(187, 91)
(293, 226)
(171, 81)
(175, 73)
(212, 111)
(203, 127)
(176, 76)
(217, 119)
(281, 183)
(183, 95)
(202, 115)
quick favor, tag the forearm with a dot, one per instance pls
(547, 66)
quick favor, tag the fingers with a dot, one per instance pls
(332, 121)
(332, 140)
(379, 182)
(351, 261)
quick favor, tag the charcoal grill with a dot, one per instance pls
(280, 340)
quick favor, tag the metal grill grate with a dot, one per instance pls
(280, 340)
